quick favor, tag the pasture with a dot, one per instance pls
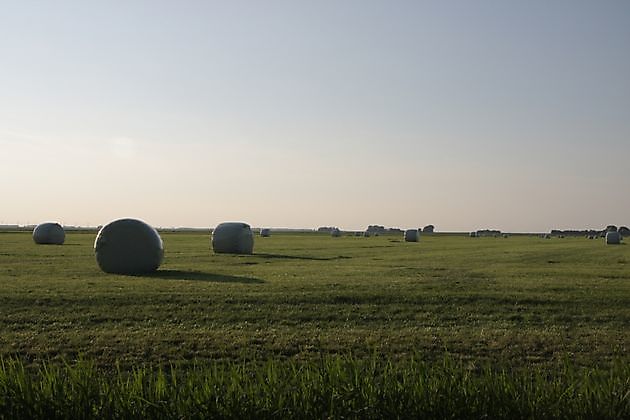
(519, 305)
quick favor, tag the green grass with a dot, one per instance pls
(334, 387)
(521, 304)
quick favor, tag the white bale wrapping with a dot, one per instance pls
(613, 238)
(265, 232)
(128, 246)
(49, 233)
(233, 238)
(412, 235)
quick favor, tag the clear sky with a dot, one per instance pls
(465, 114)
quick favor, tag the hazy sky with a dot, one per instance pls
(465, 114)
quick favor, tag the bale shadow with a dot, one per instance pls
(201, 276)
(300, 257)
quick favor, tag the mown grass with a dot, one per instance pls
(521, 305)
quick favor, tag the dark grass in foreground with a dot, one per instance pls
(333, 387)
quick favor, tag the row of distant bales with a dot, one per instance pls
(131, 246)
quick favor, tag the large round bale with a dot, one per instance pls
(233, 238)
(613, 238)
(265, 232)
(412, 235)
(128, 246)
(335, 233)
(49, 234)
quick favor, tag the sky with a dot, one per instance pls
(463, 114)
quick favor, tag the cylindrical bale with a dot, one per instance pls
(128, 246)
(412, 235)
(613, 238)
(335, 233)
(265, 232)
(49, 233)
(233, 238)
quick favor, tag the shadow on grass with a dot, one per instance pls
(200, 276)
(300, 257)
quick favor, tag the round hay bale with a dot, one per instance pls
(613, 238)
(233, 238)
(265, 232)
(128, 246)
(49, 233)
(412, 235)
(335, 233)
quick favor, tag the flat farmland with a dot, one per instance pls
(519, 304)
(520, 300)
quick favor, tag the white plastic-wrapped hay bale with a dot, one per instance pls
(412, 235)
(128, 246)
(233, 238)
(49, 233)
(613, 238)
(265, 232)
(335, 233)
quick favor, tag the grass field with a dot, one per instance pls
(520, 305)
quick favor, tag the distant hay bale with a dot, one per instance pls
(49, 233)
(233, 238)
(335, 233)
(613, 238)
(412, 235)
(128, 246)
(473, 234)
(265, 232)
